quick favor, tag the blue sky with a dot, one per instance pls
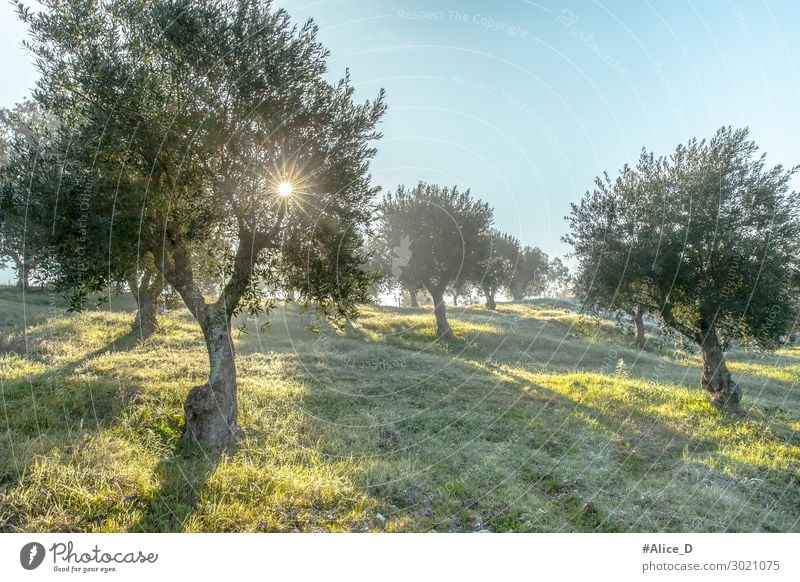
(525, 102)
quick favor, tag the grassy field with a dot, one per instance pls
(535, 419)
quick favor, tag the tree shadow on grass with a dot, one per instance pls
(182, 476)
(56, 412)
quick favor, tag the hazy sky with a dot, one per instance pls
(525, 102)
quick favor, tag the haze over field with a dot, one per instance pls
(408, 267)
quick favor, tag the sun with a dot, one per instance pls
(285, 189)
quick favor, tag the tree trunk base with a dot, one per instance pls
(443, 329)
(491, 304)
(210, 420)
(724, 395)
(145, 323)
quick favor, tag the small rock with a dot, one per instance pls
(380, 518)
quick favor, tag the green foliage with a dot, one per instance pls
(530, 274)
(707, 238)
(179, 119)
(449, 234)
(500, 265)
(21, 237)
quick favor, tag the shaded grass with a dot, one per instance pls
(536, 419)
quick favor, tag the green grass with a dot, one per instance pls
(535, 419)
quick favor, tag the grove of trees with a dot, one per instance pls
(198, 147)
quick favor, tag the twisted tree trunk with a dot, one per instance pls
(211, 409)
(146, 293)
(443, 329)
(414, 299)
(716, 379)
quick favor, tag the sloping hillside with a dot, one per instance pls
(535, 419)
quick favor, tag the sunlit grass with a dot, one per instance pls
(536, 418)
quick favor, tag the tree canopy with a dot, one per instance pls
(706, 238)
(205, 136)
(449, 240)
(23, 132)
(530, 274)
(500, 266)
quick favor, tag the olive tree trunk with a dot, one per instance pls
(638, 319)
(716, 379)
(146, 292)
(211, 409)
(443, 329)
(414, 299)
(490, 302)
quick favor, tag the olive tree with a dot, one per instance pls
(206, 136)
(530, 274)
(500, 265)
(449, 240)
(22, 131)
(707, 239)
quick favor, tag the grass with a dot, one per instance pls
(535, 419)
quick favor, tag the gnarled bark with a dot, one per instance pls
(490, 302)
(443, 329)
(146, 292)
(211, 409)
(716, 379)
(414, 299)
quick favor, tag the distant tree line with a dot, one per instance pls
(442, 240)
